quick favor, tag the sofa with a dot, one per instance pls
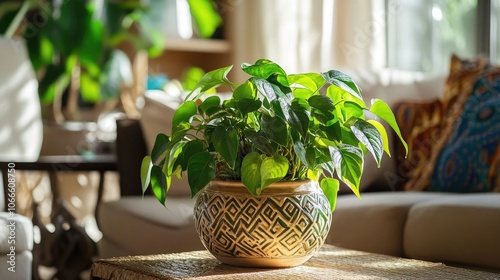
(456, 228)
(423, 206)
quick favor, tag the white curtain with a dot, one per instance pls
(314, 35)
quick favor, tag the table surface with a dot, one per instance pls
(66, 163)
(329, 263)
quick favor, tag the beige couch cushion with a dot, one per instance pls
(458, 229)
(376, 222)
(144, 226)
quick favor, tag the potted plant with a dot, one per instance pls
(265, 164)
(78, 49)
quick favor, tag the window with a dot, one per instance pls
(495, 30)
(422, 35)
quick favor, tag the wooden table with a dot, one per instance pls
(329, 263)
(54, 164)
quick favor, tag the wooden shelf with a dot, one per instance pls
(197, 45)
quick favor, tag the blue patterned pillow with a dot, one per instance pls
(466, 162)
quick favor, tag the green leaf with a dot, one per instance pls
(300, 151)
(211, 80)
(89, 88)
(260, 141)
(272, 170)
(311, 157)
(191, 148)
(246, 90)
(160, 146)
(184, 113)
(383, 111)
(321, 102)
(348, 161)
(69, 25)
(159, 184)
(146, 166)
(275, 129)
(300, 109)
(265, 88)
(92, 44)
(271, 91)
(250, 172)
(306, 85)
(330, 188)
(116, 11)
(295, 117)
(332, 132)
(40, 48)
(34, 48)
(174, 149)
(179, 131)
(326, 118)
(6, 20)
(343, 81)
(226, 140)
(246, 105)
(264, 68)
(352, 110)
(46, 50)
(383, 134)
(200, 170)
(209, 103)
(370, 137)
(205, 16)
(46, 87)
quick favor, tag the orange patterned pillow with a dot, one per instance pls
(420, 125)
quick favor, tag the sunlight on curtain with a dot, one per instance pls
(359, 34)
(315, 35)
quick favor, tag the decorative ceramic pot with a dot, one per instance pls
(282, 227)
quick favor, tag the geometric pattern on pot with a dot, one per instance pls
(265, 226)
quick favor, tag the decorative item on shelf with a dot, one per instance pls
(286, 139)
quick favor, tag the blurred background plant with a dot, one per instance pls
(77, 48)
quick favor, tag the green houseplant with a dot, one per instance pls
(274, 128)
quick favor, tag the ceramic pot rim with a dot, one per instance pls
(282, 187)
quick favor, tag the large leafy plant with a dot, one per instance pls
(274, 127)
(77, 45)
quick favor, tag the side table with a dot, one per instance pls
(329, 263)
(53, 164)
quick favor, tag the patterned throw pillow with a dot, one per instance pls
(420, 125)
(454, 142)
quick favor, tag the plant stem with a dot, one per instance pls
(74, 86)
(57, 104)
(14, 25)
